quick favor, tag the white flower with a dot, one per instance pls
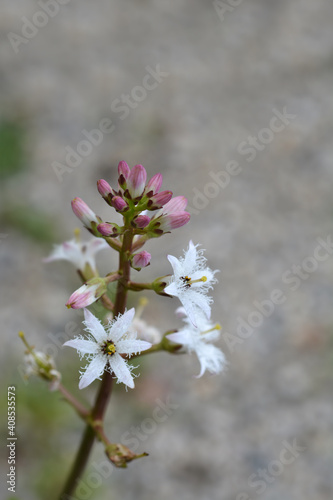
(191, 281)
(145, 331)
(105, 346)
(78, 253)
(196, 340)
(141, 327)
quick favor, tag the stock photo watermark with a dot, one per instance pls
(11, 439)
(293, 278)
(262, 478)
(122, 106)
(248, 148)
(30, 27)
(224, 8)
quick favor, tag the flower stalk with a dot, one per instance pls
(105, 390)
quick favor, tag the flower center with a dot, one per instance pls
(188, 281)
(108, 348)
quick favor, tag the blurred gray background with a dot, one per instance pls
(226, 71)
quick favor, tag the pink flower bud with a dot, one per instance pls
(83, 212)
(155, 183)
(119, 203)
(82, 297)
(141, 259)
(142, 221)
(107, 229)
(177, 204)
(172, 221)
(104, 188)
(159, 200)
(136, 181)
(123, 170)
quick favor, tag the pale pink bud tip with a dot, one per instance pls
(155, 183)
(141, 259)
(142, 221)
(107, 229)
(104, 188)
(136, 181)
(177, 204)
(119, 203)
(83, 212)
(124, 170)
(159, 200)
(173, 221)
(82, 297)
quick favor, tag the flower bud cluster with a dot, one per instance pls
(147, 213)
(135, 199)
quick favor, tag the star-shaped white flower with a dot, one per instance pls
(191, 281)
(197, 340)
(78, 253)
(105, 346)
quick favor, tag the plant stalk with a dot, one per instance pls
(104, 393)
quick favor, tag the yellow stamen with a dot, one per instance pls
(143, 301)
(77, 233)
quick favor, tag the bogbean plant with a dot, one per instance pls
(107, 345)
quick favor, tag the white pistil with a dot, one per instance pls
(216, 327)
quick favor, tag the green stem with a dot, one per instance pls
(80, 409)
(165, 345)
(104, 393)
(113, 243)
(138, 287)
(80, 462)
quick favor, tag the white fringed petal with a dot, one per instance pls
(94, 347)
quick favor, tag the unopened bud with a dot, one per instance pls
(108, 229)
(84, 213)
(87, 294)
(141, 221)
(104, 189)
(176, 205)
(136, 181)
(119, 203)
(155, 184)
(141, 259)
(123, 172)
(173, 221)
(159, 200)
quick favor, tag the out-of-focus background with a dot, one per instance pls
(232, 101)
